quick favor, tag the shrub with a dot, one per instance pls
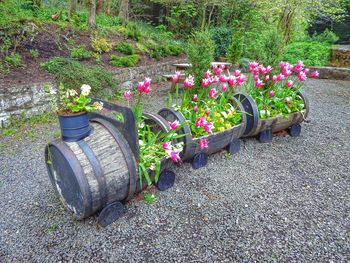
(125, 48)
(132, 31)
(34, 53)
(173, 49)
(222, 36)
(14, 60)
(127, 61)
(311, 53)
(101, 45)
(73, 74)
(200, 53)
(273, 46)
(80, 53)
(326, 36)
(141, 48)
(235, 49)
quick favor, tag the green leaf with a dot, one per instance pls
(149, 198)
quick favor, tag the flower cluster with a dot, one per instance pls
(70, 101)
(277, 91)
(173, 151)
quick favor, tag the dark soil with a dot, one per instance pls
(53, 41)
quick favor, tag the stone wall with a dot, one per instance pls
(340, 56)
(31, 99)
(27, 100)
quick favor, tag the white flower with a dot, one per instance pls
(98, 105)
(85, 89)
(53, 91)
(152, 167)
(71, 93)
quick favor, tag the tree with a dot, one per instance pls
(124, 10)
(99, 6)
(72, 8)
(92, 14)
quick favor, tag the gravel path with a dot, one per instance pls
(288, 200)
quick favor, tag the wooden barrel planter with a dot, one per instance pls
(264, 128)
(228, 139)
(100, 172)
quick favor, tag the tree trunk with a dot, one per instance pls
(203, 17)
(108, 7)
(124, 10)
(92, 14)
(99, 6)
(72, 8)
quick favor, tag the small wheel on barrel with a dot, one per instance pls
(199, 160)
(265, 136)
(294, 130)
(166, 180)
(234, 146)
(111, 213)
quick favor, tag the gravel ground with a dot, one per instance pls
(288, 200)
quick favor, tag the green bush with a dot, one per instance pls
(125, 48)
(14, 60)
(108, 21)
(73, 74)
(101, 45)
(127, 61)
(200, 53)
(34, 53)
(81, 53)
(222, 36)
(326, 36)
(235, 49)
(311, 53)
(132, 31)
(273, 46)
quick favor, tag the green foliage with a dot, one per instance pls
(8, 132)
(13, 61)
(34, 53)
(100, 44)
(200, 53)
(326, 36)
(125, 48)
(149, 198)
(102, 20)
(126, 61)
(235, 49)
(273, 47)
(132, 31)
(73, 74)
(81, 53)
(222, 36)
(311, 53)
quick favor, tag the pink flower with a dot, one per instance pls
(224, 88)
(127, 95)
(205, 83)
(207, 74)
(241, 79)
(203, 143)
(200, 121)
(144, 86)
(268, 69)
(214, 67)
(221, 66)
(272, 93)
(218, 71)
(237, 73)
(167, 146)
(223, 78)
(286, 71)
(256, 77)
(274, 78)
(232, 81)
(207, 112)
(253, 67)
(175, 156)
(306, 71)
(282, 64)
(195, 97)
(289, 83)
(267, 78)
(259, 83)
(262, 69)
(174, 125)
(189, 82)
(315, 74)
(299, 67)
(208, 127)
(280, 77)
(302, 76)
(214, 79)
(212, 93)
(195, 108)
(176, 77)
